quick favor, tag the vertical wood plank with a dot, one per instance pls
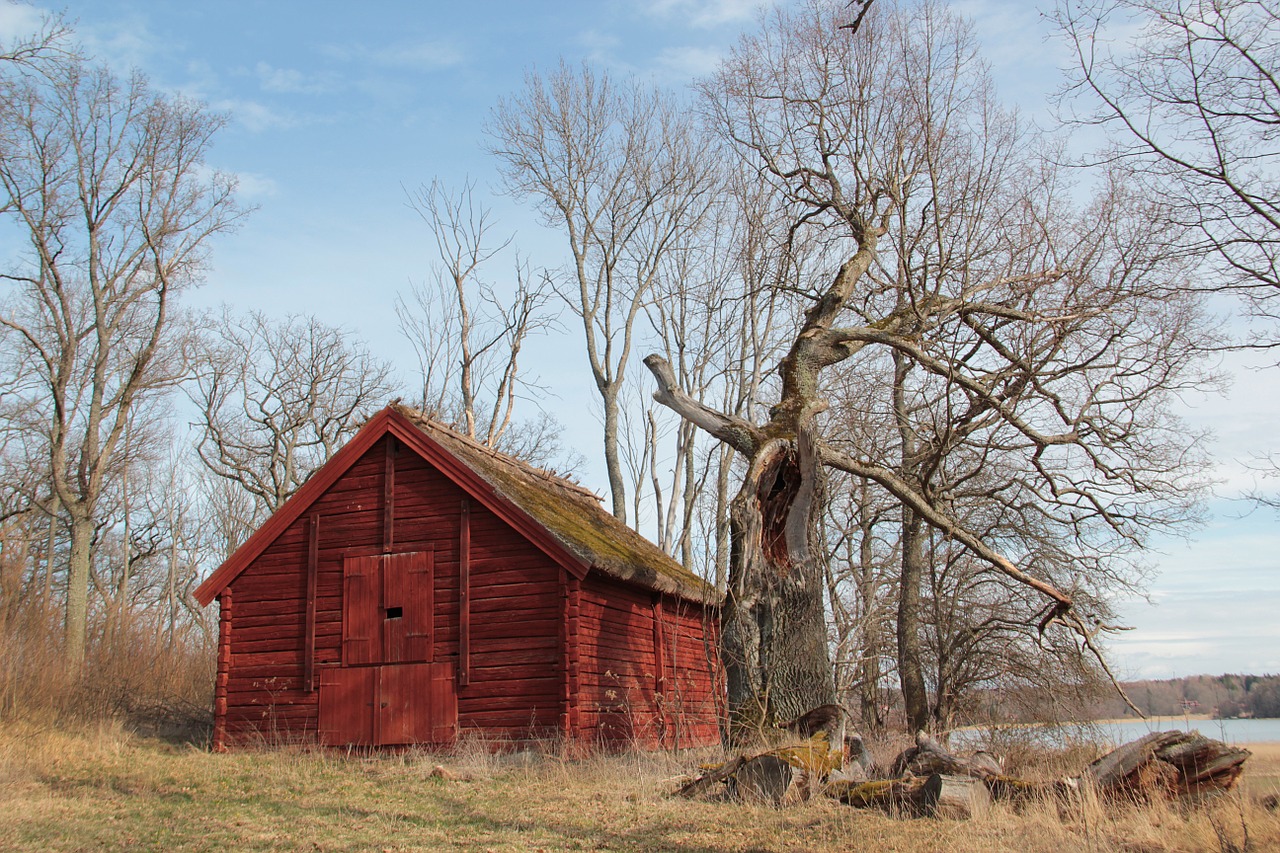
(659, 670)
(388, 495)
(361, 610)
(570, 638)
(464, 595)
(309, 638)
(223, 672)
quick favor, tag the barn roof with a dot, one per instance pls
(565, 520)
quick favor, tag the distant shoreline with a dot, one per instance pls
(1168, 718)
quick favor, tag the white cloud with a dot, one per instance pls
(705, 13)
(18, 20)
(255, 116)
(251, 186)
(683, 63)
(289, 81)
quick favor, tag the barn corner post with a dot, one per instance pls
(570, 662)
(219, 739)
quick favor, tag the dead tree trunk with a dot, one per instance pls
(774, 619)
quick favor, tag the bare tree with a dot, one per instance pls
(107, 182)
(277, 399)
(616, 168)
(469, 338)
(1054, 348)
(1188, 93)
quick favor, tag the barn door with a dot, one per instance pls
(388, 608)
(388, 705)
(387, 691)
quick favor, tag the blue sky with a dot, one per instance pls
(337, 107)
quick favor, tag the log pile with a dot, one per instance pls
(929, 780)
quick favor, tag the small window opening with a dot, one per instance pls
(395, 612)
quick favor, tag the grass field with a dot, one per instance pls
(104, 789)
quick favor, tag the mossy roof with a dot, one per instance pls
(571, 514)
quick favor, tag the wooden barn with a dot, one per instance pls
(421, 587)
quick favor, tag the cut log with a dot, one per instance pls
(763, 779)
(1204, 765)
(928, 757)
(1110, 772)
(718, 774)
(1018, 791)
(894, 795)
(824, 718)
(1167, 764)
(958, 797)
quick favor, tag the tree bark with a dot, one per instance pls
(774, 619)
(915, 697)
(612, 462)
(77, 621)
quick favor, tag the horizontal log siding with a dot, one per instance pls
(515, 607)
(623, 692)
(515, 635)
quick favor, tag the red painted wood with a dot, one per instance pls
(398, 718)
(388, 705)
(360, 615)
(222, 678)
(500, 609)
(388, 494)
(464, 594)
(416, 572)
(313, 556)
(348, 698)
(347, 456)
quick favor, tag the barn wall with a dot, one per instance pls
(513, 685)
(646, 674)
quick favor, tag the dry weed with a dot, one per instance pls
(102, 787)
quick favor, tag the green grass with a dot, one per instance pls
(104, 789)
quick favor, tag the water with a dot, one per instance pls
(1119, 732)
(1227, 731)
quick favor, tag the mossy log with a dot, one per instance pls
(904, 795)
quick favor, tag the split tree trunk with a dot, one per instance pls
(773, 625)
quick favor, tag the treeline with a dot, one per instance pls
(1220, 696)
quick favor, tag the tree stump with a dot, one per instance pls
(764, 779)
(958, 797)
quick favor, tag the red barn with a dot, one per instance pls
(421, 587)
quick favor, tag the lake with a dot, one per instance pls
(1118, 732)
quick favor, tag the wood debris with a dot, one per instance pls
(929, 780)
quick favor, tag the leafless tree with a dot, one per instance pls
(616, 169)
(1188, 94)
(106, 181)
(468, 338)
(1051, 345)
(278, 398)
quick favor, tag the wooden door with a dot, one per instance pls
(387, 691)
(388, 705)
(388, 608)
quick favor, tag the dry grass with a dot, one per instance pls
(102, 788)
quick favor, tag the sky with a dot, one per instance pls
(338, 109)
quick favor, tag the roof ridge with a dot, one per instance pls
(421, 418)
